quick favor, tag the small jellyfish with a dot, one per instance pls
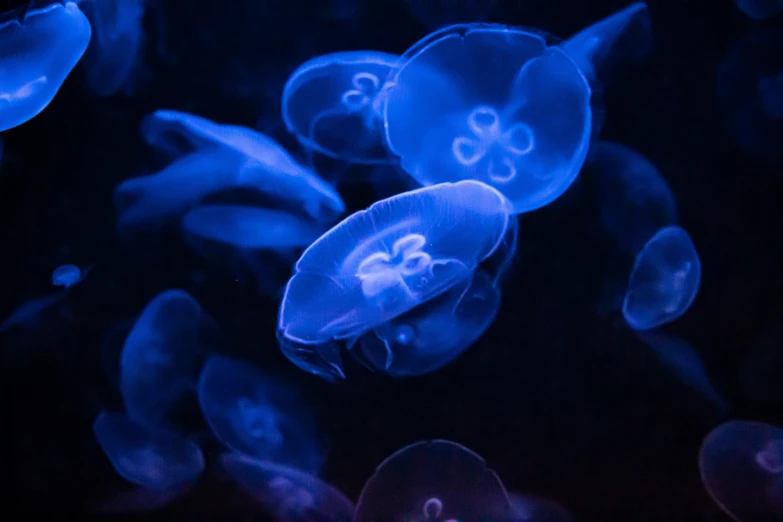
(66, 275)
(285, 492)
(432, 481)
(162, 357)
(253, 414)
(151, 458)
(760, 9)
(741, 464)
(533, 509)
(384, 261)
(39, 49)
(664, 281)
(332, 103)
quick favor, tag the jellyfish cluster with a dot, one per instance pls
(466, 137)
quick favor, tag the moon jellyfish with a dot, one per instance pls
(116, 47)
(162, 357)
(433, 481)
(40, 48)
(66, 275)
(635, 200)
(253, 414)
(384, 261)
(664, 281)
(265, 165)
(332, 104)
(741, 464)
(750, 95)
(151, 458)
(532, 509)
(285, 492)
(429, 337)
(760, 9)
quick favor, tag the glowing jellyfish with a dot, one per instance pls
(635, 200)
(741, 464)
(431, 336)
(384, 261)
(39, 49)
(151, 458)
(253, 414)
(433, 480)
(115, 51)
(750, 94)
(265, 165)
(664, 281)
(162, 357)
(533, 509)
(760, 9)
(332, 102)
(66, 275)
(285, 492)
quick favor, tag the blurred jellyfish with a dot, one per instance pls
(433, 480)
(117, 44)
(533, 509)
(162, 357)
(429, 337)
(332, 103)
(253, 414)
(741, 464)
(750, 94)
(29, 313)
(635, 200)
(285, 492)
(151, 458)
(760, 9)
(384, 261)
(66, 275)
(39, 49)
(664, 281)
(439, 13)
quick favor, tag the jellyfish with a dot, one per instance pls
(39, 50)
(255, 415)
(750, 94)
(332, 104)
(533, 509)
(384, 261)
(264, 164)
(162, 357)
(741, 464)
(66, 275)
(151, 458)
(635, 200)
(664, 281)
(433, 481)
(760, 9)
(285, 492)
(429, 337)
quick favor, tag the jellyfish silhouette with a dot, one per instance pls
(433, 480)
(66, 275)
(664, 281)
(151, 458)
(286, 493)
(162, 357)
(332, 103)
(253, 414)
(384, 261)
(760, 9)
(39, 49)
(741, 465)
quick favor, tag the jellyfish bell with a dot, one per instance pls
(433, 480)
(332, 104)
(66, 275)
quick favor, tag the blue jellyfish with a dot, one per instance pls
(760, 9)
(533, 509)
(384, 261)
(750, 94)
(429, 337)
(285, 492)
(39, 50)
(253, 414)
(66, 275)
(29, 313)
(664, 281)
(151, 458)
(741, 464)
(635, 200)
(332, 103)
(115, 51)
(162, 357)
(412, 485)
(264, 165)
